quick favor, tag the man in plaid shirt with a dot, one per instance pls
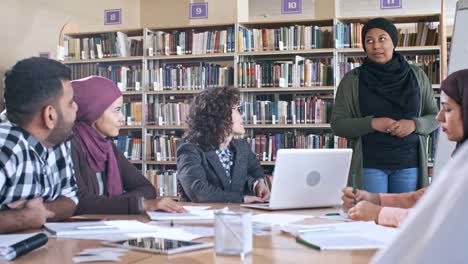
(36, 172)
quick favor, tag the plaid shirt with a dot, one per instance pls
(226, 158)
(29, 170)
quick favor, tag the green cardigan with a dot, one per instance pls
(348, 122)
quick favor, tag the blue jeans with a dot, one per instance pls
(390, 181)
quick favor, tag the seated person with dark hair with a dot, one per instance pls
(212, 166)
(36, 170)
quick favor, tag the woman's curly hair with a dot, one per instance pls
(210, 117)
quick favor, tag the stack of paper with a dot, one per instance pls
(194, 213)
(346, 236)
(99, 227)
(117, 230)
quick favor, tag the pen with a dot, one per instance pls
(96, 227)
(26, 246)
(354, 188)
(332, 214)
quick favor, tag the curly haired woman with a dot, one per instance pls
(212, 166)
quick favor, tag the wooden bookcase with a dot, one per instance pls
(233, 59)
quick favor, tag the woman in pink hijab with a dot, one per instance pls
(107, 182)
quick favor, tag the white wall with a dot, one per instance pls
(33, 26)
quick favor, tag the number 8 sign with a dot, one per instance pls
(198, 10)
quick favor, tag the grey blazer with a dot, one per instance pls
(202, 177)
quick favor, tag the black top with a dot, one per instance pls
(382, 150)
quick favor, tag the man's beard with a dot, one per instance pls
(61, 133)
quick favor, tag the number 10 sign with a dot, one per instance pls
(291, 6)
(198, 10)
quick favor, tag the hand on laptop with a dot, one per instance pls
(262, 191)
(252, 199)
(361, 195)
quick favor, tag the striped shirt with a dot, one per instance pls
(28, 169)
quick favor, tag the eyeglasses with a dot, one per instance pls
(238, 108)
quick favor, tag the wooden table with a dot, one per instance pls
(270, 249)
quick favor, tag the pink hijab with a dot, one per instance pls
(94, 95)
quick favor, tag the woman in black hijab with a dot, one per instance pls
(386, 110)
(392, 209)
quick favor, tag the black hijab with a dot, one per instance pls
(393, 81)
(454, 86)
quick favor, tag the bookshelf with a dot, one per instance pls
(281, 66)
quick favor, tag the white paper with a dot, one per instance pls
(99, 258)
(120, 226)
(342, 241)
(201, 231)
(191, 208)
(192, 215)
(100, 250)
(278, 219)
(100, 254)
(348, 236)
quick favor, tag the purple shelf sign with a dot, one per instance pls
(390, 4)
(291, 6)
(112, 16)
(198, 10)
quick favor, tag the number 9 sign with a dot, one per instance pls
(198, 10)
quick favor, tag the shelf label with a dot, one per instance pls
(150, 52)
(137, 86)
(112, 16)
(291, 6)
(198, 10)
(390, 4)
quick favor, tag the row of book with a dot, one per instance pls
(426, 35)
(104, 45)
(294, 37)
(130, 146)
(166, 114)
(265, 146)
(430, 64)
(165, 182)
(127, 77)
(299, 72)
(301, 110)
(420, 34)
(188, 76)
(162, 147)
(191, 42)
(132, 111)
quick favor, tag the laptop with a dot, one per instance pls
(307, 178)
